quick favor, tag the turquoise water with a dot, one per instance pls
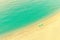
(16, 15)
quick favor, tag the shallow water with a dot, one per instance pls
(17, 14)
